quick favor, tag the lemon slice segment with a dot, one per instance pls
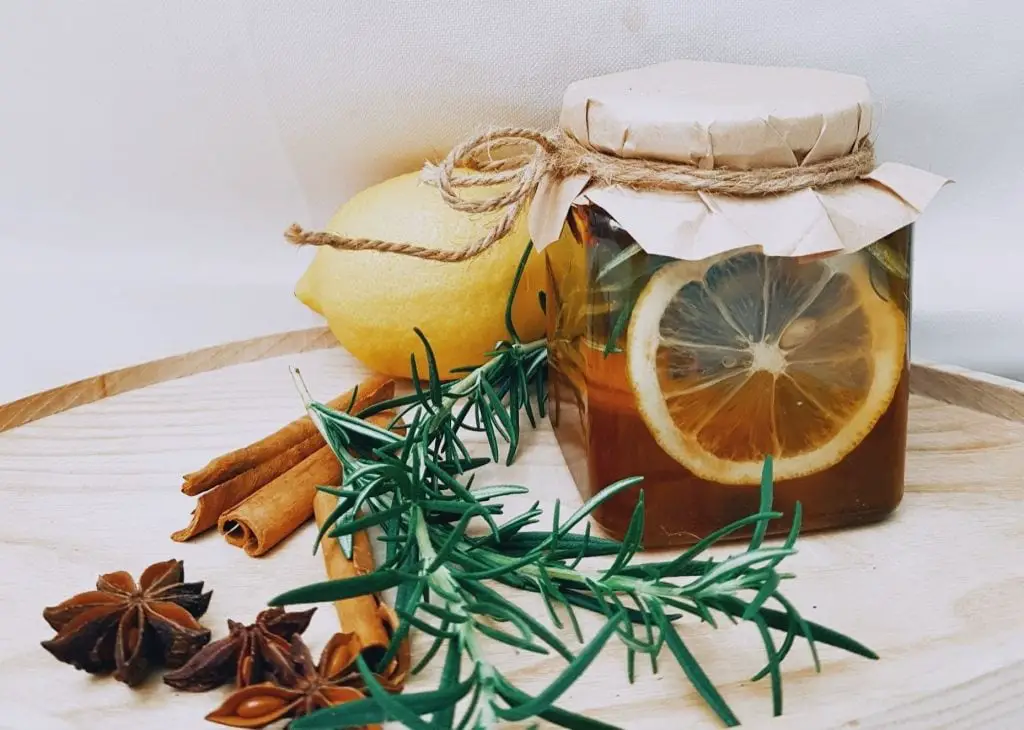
(743, 355)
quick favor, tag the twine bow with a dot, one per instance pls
(557, 156)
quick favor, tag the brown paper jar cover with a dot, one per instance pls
(692, 334)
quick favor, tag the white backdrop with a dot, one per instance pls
(152, 151)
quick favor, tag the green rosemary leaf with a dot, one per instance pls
(414, 376)
(470, 714)
(344, 504)
(511, 529)
(498, 569)
(458, 534)
(443, 613)
(520, 642)
(481, 591)
(459, 421)
(570, 545)
(773, 664)
(631, 540)
(761, 527)
(693, 670)
(671, 567)
(732, 565)
(335, 590)
(409, 594)
(399, 402)
(445, 717)
(584, 547)
(603, 594)
(541, 392)
(542, 299)
(590, 603)
(429, 655)
(426, 627)
(509, 325)
(566, 599)
(787, 644)
(485, 417)
(432, 373)
(805, 630)
(394, 707)
(497, 407)
(562, 718)
(649, 628)
(766, 591)
(591, 504)
(369, 711)
(465, 464)
(335, 435)
(354, 426)
(794, 529)
(779, 620)
(499, 490)
(350, 527)
(524, 397)
(545, 699)
(549, 605)
(456, 507)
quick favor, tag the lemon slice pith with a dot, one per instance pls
(735, 358)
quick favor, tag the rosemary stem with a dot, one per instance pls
(466, 385)
(441, 578)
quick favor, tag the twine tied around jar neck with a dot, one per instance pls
(557, 155)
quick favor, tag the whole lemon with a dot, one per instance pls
(373, 300)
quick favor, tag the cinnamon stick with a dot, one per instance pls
(252, 456)
(359, 615)
(278, 508)
(264, 519)
(213, 503)
(367, 622)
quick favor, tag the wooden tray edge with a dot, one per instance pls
(978, 391)
(947, 383)
(64, 397)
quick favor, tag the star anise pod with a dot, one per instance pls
(303, 689)
(127, 626)
(245, 654)
(347, 646)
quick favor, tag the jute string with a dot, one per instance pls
(557, 156)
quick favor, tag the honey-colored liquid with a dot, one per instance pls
(605, 438)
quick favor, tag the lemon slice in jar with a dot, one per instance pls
(743, 355)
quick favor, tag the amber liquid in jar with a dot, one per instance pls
(689, 373)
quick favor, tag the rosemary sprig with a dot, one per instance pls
(416, 485)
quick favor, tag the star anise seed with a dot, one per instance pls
(126, 626)
(305, 688)
(249, 654)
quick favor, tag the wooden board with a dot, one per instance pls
(936, 590)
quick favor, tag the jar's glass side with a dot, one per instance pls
(565, 303)
(691, 371)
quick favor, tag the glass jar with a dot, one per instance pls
(689, 373)
(696, 330)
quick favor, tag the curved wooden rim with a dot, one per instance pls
(947, 383)
(64, 397)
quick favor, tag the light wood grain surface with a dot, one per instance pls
(936, 590)
(59, 399)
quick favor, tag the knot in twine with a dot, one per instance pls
(557, 156)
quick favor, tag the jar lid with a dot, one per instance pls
(728, 116)
(720, 114)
